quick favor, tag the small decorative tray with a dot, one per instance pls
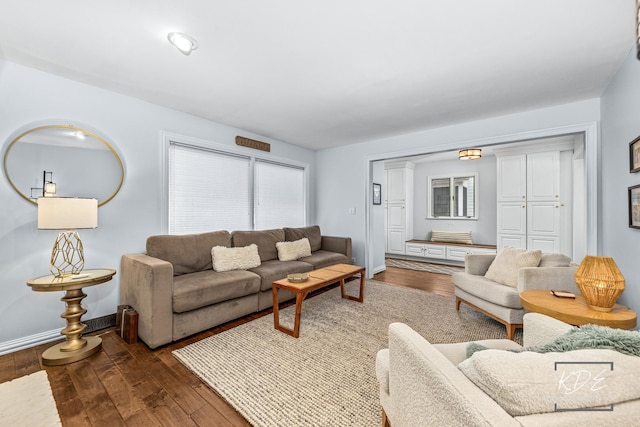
(298, 277)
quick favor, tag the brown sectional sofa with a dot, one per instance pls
(176, 292)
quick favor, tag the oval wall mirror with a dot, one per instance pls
(65, 161)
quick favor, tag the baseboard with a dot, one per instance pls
(44, 337)
(379, 269)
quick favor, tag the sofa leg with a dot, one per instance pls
(458, 301)
(385, 419)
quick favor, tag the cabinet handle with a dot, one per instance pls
(524, 197)
(523, 206)
(562, 204)
(557, 206)
(557, 196)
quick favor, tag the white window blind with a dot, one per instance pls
(279, 199)
(208, 190)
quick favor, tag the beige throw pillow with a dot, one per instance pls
(290, 251)
(451, 236)
(504, 268)
(242, 258)
(531, 383)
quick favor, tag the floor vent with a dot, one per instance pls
(99, 323)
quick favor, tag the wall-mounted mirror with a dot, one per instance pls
(64, 161)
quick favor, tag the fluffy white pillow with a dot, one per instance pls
(241, 258)
(290, 251)
(504, 268)
(530, 383)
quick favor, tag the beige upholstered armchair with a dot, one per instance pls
(502, 302)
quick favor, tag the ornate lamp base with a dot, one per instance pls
(67, 256)
(75, 347)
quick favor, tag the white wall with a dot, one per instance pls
(28, 96)
(343, 172)
(620, 104)
(483, 230)
(377, 218)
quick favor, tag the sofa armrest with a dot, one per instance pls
(425, 388)
(540, 329)
(478, 264)
(548, 278)
(146, 284)
(341, 245)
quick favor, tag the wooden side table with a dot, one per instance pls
(75, 347)
(575, 311)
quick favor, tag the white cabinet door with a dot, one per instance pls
(396, 190)
(512, 218)
(543, 218)
(414, 249)
(435, 251)
(456, 253)
(543, 176)
(396, 216)
(512, 178)
(549, 244)
(396, 242)
(513, 240)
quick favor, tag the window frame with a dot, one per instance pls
(452, 179)
(167, 138)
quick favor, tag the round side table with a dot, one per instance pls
(75, 347)
(576, 311)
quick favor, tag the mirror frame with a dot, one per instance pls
(70, 127)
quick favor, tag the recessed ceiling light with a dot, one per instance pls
(183, 42)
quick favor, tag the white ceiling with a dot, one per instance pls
(326, 73)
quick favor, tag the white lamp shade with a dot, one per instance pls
(66, 213)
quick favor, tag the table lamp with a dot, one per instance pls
(600, 282)
(67, 213)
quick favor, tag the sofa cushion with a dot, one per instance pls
(265, 240)
(322, 258)
(242, 258)
(270, 271)
(529, 383)
(487, 290)
(504, 268)
(451, 236)
(312, 233)
(196, 290)
(187, 253)
(291, 251)
(554, 260)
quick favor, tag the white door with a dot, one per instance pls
(512, 178)
(543, 176)
(548, 244)
(543, 218)
(396, 216)
(396, 191)
(512, 218)
(395, 242)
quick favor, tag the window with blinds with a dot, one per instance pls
(211, 189)
(452, 197)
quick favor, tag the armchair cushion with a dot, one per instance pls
(504, 268)
(312, 233)
(554, 260)
(536, 383)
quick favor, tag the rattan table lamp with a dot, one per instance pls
(600, 282)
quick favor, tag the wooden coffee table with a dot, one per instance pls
(317, 279)
(575, 311)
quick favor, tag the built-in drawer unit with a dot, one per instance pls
(440, 251)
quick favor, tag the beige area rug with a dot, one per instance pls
(327, 376)
(28, 401)
(422, 266)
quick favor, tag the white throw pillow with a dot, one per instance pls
(530, 383)
(504, 268)
(241, 258)
(290, 251)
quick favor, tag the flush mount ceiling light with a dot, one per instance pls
(183, 42)
(470, 154)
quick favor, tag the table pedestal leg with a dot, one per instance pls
(75, 347)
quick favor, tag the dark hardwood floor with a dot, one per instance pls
(131, 385)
